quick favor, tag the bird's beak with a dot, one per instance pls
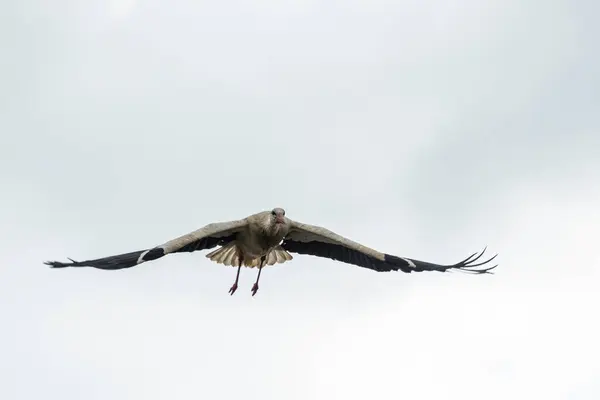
(280, 220)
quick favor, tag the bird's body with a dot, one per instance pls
(259, 238)
(268, 238)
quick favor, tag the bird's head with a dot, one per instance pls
(278, 216)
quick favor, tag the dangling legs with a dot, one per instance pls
(255, 287)
(237, 277)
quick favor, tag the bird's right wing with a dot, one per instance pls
(206, 237)
(321, 242)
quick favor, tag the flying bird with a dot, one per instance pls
(268, 238)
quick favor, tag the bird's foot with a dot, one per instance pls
(254, 289)
(233, 289)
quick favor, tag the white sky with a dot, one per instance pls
(425, 129)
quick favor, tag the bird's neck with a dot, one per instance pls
(273, 229)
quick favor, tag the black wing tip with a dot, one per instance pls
(120, 261)
(467, 264)
(478, 271)
(58, 264)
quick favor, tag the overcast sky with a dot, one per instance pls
(426, 129)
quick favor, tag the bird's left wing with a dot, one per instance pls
(321, 242)
(206, 237)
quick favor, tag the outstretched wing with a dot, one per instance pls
(321, 242)
(206, 237)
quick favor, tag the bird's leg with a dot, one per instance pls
(237, 277)
(235, 284)
(262, 263)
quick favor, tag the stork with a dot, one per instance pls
(268, 238)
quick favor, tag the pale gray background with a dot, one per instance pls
(426, 129)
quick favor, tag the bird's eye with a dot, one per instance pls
(273, 212)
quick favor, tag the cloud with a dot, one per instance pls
(424, 129)
(119, 9)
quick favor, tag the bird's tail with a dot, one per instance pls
(278, 255)
(229, 255)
